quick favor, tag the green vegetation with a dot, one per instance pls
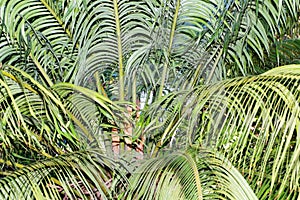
(129, 99)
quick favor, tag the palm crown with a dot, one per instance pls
(74, 75)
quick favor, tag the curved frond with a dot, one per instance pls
(283, 53)
(141, 46)
(254, 121)
(189, 175)
(36, 41)
(40, 122)
(85, 175)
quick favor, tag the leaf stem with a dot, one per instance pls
(121, 68)
(164, 73)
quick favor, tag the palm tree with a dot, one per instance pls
(73, 74)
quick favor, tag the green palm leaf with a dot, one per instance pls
(46, 122)
(55, 55)
(253, 121)
(190, 175)
(85, 175)
(284, 52)
(35, 40)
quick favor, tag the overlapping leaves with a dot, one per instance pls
(253, 121)
(153, 47)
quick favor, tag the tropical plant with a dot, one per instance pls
(143, 100)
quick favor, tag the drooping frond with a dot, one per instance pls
(283, 53)
(141, 46)
(190, 175)
(41, 122)
(36, 41)
(167, 50)
(91, 112)
(254, 121)
(86, 175)
(33, 120)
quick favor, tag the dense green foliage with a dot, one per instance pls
(129, 99)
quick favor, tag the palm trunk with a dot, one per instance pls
(128, 130)
(115, 142)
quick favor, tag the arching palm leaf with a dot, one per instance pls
(156, 48)
(85, 175)
(46, 122)
(253, 121)
(153, 38)
(284, 52)
(36, 41)
(191, 175)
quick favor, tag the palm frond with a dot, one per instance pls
(284, 52)
(193, 174)
(36, 41)
(253, 121)
(185, 41)
(38, 122)
(87, 174)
